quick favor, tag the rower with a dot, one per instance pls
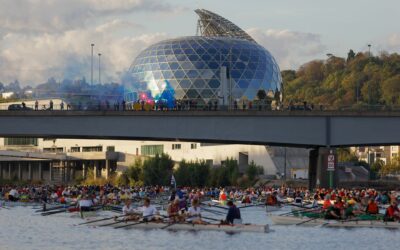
(271, 200)
(233, 217)
(128, 211)
(85, 204)
(173, 211)
(392, 212)
(149, 212)
(13, 195)
(372, 207)
(194, 213)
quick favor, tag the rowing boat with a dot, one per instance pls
(198, 227)
(238, 228)
(351, 223)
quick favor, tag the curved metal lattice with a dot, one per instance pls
(213, 25)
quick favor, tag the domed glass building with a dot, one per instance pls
(222, 65)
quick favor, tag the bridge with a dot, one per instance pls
(319, 130)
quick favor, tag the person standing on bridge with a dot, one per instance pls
(51, 105)
(62, 105)
(36, 105)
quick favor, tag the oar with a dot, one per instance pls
(53, 208)
(310, 209)
(213, 212)
(93, 221)
(140, 222)
(306, 221)
(208, 218)
(53, 212)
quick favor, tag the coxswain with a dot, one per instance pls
(194, 213)
(372, 207)
(233, 217)
(392, 212)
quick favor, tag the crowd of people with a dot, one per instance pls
(159, 105)
(184, 203)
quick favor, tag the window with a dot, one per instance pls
(75, 149)
(152, 149)
(53, 150)
(92, 149)
(21, 141)
(176, 146)
(110, 148)
(193, 145)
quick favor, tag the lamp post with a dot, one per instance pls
(91, 72)
(369, 50)
(99, 68)
(369, 84)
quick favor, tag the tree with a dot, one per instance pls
(345, 155)
(253, 171)
(350, 55)
(158, 170)
(391, 90)
(135, 172)
(194, 174)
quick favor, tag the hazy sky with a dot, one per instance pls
(51, 38)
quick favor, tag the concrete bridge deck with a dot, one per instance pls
(289, 128)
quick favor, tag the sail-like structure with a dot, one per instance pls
(213, 25)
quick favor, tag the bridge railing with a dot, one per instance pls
(188, 107)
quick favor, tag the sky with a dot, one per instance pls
(40, 39)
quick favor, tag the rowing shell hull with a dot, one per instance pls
(197, 227)
(305, 221)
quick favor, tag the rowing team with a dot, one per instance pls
(176, 215)
(352, 209)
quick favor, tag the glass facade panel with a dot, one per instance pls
(193, 65)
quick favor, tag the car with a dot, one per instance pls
(15, 107)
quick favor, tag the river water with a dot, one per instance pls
(21, 228)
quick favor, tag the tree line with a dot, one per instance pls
(159, 170)
(359, 80)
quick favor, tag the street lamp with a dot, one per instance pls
(99, 69)
(369, 50)
(369, 84)
(91, 72)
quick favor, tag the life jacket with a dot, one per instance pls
(372, 208)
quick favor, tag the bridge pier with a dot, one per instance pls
(318, 173)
